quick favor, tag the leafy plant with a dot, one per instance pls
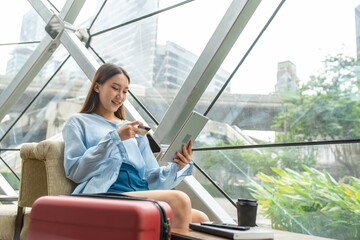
(327, 107)
(310, 202)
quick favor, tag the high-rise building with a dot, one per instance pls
(174, 63)
(287, 79)
(135, 39)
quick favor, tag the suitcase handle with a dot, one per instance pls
(111, 195)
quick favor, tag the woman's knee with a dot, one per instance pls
(181, 198)
(198, 216)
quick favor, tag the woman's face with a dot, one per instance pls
(112, 93)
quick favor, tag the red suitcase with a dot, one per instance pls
(98, 217)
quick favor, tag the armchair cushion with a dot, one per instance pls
(7, 221)
(42, 173)
(53, 154)
(43, 162)
(33, 176)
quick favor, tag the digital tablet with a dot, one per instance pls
(189, 131)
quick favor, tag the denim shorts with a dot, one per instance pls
(128, 181)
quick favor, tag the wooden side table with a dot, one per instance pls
(182, 234)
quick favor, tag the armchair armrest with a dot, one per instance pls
(52, 153)
(42, 171)
(8, 199)
(33, 176)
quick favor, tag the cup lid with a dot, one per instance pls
(246, 201)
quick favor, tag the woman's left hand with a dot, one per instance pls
(185, 156)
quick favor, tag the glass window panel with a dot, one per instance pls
(124, 12)
(168, 3)
(300, 188)
(11, 19)
(30, 93)
(152, 51)
(291, 37)
(47, 114)
(292, 88)
(127, 47)
(21, 25)
(230, 113)
(152, 107)
(260, 18)
(55, 5)
(190, 26)
(88, 13)
(10, 159)
(13, 58)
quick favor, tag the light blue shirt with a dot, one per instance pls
(94, 153)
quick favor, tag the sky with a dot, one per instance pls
(303, 32)
(11, 13)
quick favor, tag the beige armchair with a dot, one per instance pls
(42, 173)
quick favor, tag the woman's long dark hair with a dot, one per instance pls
(104, 73)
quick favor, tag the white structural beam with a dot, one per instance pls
(81, 55)
(71, 10)
(41, 9)
(210, 60)
(26, 74)
(202, 200)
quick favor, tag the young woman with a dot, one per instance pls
(104, 152)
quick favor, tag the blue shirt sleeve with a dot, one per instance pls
(82, 163)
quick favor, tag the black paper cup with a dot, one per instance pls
(246, 212)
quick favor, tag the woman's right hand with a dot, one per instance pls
(129, 130)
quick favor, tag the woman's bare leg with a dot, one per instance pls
(180, 204)
(198, 216)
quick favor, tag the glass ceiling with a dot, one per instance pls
(278, 80)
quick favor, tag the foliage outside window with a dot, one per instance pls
(326, 108)
(301, 198)
(310, 202)
(313, 202)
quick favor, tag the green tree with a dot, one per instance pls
(326, 108)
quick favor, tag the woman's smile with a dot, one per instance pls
(117, 104)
